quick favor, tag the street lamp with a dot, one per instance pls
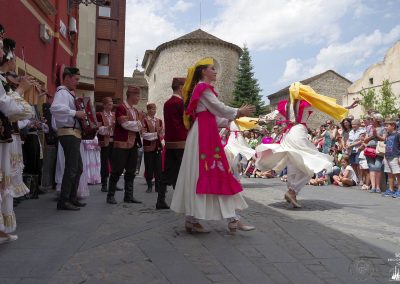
(87, 2)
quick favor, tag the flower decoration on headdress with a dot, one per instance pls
(188, 82)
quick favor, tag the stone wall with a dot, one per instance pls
(174, 62)
(328, 84)
(373, 77)
(332, 86)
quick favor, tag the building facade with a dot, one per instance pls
(86, 51)
(109, 54)
(373, 77)
(172, 59)
(329, 83)
(46, 35)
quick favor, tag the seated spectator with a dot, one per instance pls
(251, 168)
(347, 177)
(265, 174)
(320, 178)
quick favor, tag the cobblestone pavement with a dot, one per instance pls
(341, 235)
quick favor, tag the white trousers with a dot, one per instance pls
(296, 179)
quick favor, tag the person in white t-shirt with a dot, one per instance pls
(364, 169)
(347, 176)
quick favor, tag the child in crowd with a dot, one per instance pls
(251, 168)
(347, 177)
(392, 158)
(364, 170)
(320, 178)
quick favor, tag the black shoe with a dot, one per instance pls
(78, 204)
(118, 189)
(111, 200)
(67, 206)
(104, 188)
(42, 190)
(132, 200)
(149, 189)
(162, 205)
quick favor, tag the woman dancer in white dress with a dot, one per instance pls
(12, 107)
(295, 151)
(206, 188)
(237, 149)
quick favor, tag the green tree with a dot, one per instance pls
(368, 100)
(247, 90)
(387, 105)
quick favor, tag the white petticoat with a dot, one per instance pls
(201, 206)
(92, 158)
(17, 185)
(237, 149)
(10, 185)
(294, 149)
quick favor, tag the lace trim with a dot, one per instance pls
(8, 222)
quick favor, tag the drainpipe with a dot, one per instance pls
(75, 50)
(56, 42)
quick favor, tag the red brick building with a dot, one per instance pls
(47, 29)
(110, 46)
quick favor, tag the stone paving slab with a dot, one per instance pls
(339, 236)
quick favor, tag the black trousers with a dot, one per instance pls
(123, 159)
(105, 157)
(172, 164)
(153, 167)
(73, 167)
(49, 166)
(31, 154)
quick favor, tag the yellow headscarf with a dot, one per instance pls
(323, 103)
(247, 123)
(188, 83)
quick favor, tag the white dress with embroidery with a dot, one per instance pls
(11, 163)
(297, 153)
(185, 200)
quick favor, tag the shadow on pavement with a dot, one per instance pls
(132, 243)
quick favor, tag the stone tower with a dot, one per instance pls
(172, 59)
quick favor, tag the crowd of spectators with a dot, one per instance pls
(365, 153)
